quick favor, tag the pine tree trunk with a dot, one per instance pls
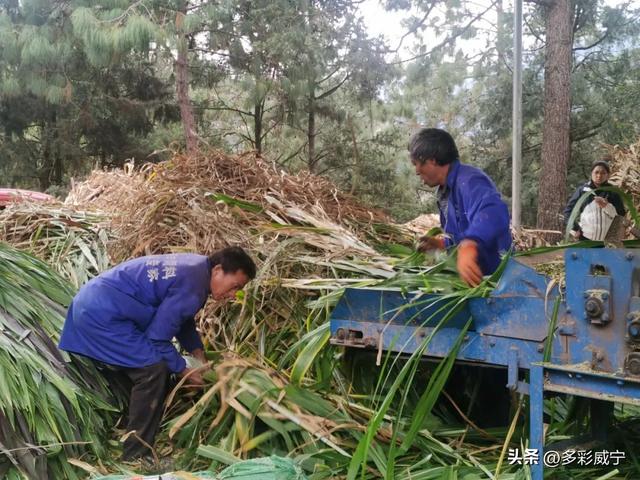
(45, 170)
(311, 135)
(49, 147)
(58, 167)
(182, 84)
(501, 40)
(355, 177)
(258, 111)
(58, 161)
(556, 147)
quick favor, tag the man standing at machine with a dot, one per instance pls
(472, 213)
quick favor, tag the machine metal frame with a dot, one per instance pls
(595, 344)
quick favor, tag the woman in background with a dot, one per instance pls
(600, 172)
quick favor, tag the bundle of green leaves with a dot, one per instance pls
(52, 408)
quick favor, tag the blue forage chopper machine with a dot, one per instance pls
(595, 348)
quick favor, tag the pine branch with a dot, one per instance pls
(290, 157)
(125, 14)
(594, 44)
(246, 137)
(228, 109)
(590, 131)
(450, 39)
(331, 91)
(537, 36)
(336, 70)
(269, 129)
(583, 61)
(542, 3)
(415, 28)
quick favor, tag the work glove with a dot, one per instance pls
(427, 243)
(468, 267)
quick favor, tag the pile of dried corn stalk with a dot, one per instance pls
(625, 169)
(625, 173)
(296, 226)
(73, 241)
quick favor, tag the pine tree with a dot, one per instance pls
(59, 103)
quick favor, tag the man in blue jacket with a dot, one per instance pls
(472, 214)
(127, 317)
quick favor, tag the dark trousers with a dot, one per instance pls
(147, 388)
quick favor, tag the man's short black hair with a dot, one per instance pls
(433, 143)
(232, 259)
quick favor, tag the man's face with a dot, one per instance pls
(427, 171)
(225, 285)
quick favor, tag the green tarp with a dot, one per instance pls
(268, 468)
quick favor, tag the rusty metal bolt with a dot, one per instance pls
(371, 342)
(594, 307)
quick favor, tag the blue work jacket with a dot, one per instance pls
(129, 315)
(476, 211)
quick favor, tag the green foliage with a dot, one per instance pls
(60, 111)
(103, 39)
(51, 407)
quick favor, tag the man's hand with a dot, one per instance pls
(427, 243)
(198, 353)
(601, 202)
(468, 267)
(194, 378)
(576, 234)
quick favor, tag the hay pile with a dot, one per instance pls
(210, 200)
(299, 228)
(308, 239)
(423, 223)
(528, 238)
(625, 173)
(625, 169)
(72, 241)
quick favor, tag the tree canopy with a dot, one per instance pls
(308, 85)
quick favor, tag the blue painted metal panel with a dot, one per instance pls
(515, 317)
(485, 349)
(519, 280)
(536, 412)
(601, 346)
(595, 348)
(580, 380)
(396, 307)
